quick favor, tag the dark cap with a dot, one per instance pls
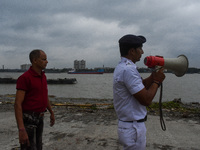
(130, 39)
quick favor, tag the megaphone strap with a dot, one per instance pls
(162, 122)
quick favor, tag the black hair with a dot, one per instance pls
(124, 49)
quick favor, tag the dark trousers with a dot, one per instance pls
(34, 128)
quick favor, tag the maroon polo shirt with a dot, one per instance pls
(36, 92)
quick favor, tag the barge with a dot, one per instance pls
(49, 81)
(100, 71)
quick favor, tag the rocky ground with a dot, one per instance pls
(93, 126)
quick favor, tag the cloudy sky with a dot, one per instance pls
(69, 30)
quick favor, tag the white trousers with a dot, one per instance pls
(132, 135)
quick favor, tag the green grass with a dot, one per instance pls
(174, 106)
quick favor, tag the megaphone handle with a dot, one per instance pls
(157, 68)
(162, 122)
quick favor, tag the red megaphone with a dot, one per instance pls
(152, 61)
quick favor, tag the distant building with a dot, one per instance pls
(79, 64)
(25, 66)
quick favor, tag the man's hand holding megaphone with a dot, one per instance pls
(158, 76)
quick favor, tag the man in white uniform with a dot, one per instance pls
(132, 94)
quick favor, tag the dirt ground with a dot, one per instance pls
(80, 128)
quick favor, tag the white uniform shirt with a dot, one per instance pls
(126, 82)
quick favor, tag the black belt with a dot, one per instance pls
(141, 120)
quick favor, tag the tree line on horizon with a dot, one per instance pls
(106, 70)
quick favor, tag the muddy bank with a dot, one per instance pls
(79, 128)
(92, 124)
(75, 129)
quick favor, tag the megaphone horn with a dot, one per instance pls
(178, 66)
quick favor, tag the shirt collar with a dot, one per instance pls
(33, 73)
(126, 60)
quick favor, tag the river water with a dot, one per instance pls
(100, 86)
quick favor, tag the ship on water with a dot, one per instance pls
(99, 71)
(49, 81)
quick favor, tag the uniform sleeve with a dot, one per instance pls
(133, 80)
(22, 83)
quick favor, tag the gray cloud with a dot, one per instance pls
(89, 30)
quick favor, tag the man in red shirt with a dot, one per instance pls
(32, 101)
